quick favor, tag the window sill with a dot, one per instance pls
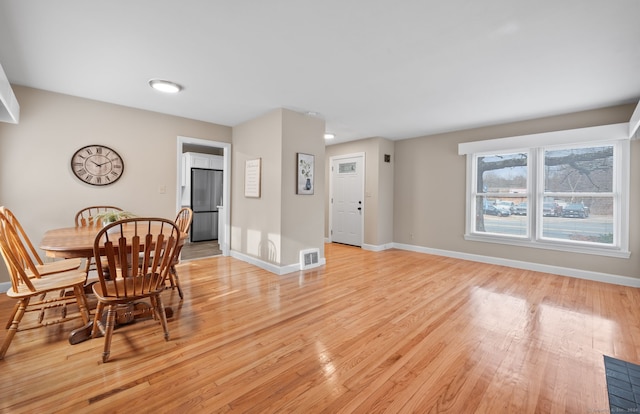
(547, 245)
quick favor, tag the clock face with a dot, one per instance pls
(97, 165)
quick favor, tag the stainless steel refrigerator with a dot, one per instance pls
(206, 196)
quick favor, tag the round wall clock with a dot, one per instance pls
(97, 165)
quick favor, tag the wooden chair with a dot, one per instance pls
(127, 276)
(33, 292)
(87, 218)
(31, 258)
(183, 221)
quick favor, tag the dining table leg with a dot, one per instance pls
(125, 314)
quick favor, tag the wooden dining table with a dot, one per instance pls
(78, 242)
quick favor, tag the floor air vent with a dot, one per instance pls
(309, 258)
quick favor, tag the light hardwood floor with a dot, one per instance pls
(392, 331)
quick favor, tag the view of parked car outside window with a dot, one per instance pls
(578, 184)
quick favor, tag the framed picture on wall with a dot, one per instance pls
(252, 178)
(305, 163)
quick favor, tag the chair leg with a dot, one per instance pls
(87, 265)
(175, 281)
(108, 332)
(83, 305)
(17, 317)
(97, 322)
(158, 308)
(13, 314)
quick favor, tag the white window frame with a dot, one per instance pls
(472, 194)
(534, 145)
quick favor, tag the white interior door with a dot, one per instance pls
(347, 199)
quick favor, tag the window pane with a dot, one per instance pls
(579, 170)
(346, 167)
(504, 173)
(501, 188)
(506, 216)
(581, 219)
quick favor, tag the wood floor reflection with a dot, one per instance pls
(392, 331)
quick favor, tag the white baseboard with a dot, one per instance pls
(562, 271)
(4, 286)
(278, 270)
(377, 248)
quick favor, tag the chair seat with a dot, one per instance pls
(58, 266)
(110, 295)
(64, 280)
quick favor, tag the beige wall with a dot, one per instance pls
(36, 181)
(430, 178)
(417, 199)
(378, 183)
(302, 215)
(386, 192)
(276, 226)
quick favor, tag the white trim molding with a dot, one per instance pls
(634, 123)
(537, 267)
(611, 132)
(278, 270)
(9, 106)
(377, 248)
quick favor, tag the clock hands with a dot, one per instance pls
(100, 165)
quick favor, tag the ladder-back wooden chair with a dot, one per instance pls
(136, 255)
(87, 217)
(35, 293)
(183, 221)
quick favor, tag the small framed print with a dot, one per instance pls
(252, 178)
(305, 170)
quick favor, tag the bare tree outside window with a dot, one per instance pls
(580, 181)
(578, 184)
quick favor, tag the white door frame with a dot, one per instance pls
(224, 241)
(331, 184)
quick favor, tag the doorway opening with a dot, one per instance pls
(195, 145)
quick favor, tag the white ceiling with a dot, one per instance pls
(387, 68)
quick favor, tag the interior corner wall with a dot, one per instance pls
(256, 222)
(276, 226)
(36, 181)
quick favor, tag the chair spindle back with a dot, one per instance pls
(87, 216)
(136, 255)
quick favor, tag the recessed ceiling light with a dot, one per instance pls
(165, 86)
(329, 135)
